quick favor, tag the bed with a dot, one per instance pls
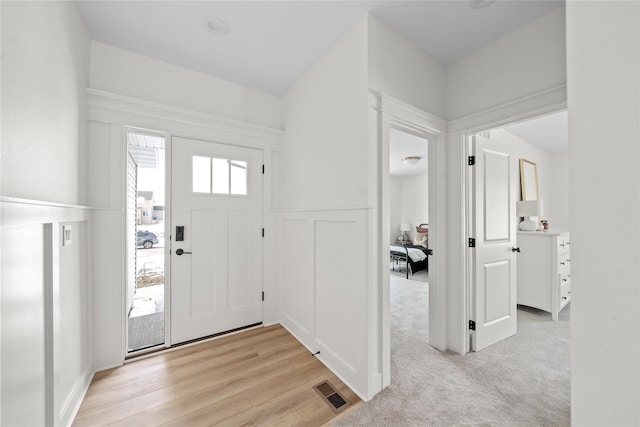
(414, 254)
(414, 257)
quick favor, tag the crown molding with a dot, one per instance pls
(394, 107)
(546, 101)
(133, 112)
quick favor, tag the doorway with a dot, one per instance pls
(409, 219)
(540, 141)
(397, 116)
(145, 297)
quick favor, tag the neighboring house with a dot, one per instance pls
(146, 208)
(66, 98)
(158, 213)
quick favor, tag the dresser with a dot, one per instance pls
(544, 270)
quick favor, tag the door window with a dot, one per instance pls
(219, 176)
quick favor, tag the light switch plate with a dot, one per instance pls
(66, 235)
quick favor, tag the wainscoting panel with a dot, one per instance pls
(324, 270)
(23, 334)
(296, 264)
(46, 352)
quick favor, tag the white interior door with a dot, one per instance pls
(494, 308)
(216, 262)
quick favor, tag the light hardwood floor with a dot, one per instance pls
(261, 377)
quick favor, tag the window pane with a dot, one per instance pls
(238, 177)
(201, 174)
(220, 176)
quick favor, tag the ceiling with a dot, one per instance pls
(270, 44)
(401, 145)
(549, 133)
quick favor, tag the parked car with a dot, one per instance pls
(146, 239)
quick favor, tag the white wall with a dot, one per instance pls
(522, 149)
(395, 207)
(560, 190)
(324, 158)
(415, 202)
(520, 64)
(45, 292)
(400, 69)
(126, 73)
(409, 202)
(45, 63)
(603, 57)
(324, 167)
(553, 177)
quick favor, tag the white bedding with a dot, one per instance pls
(415, 254)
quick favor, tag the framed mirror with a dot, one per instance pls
(529, 180)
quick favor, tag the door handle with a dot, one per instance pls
(515, 249)
(180, 252)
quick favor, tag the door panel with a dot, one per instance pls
(497, 291)
(217, 197)
(494, 307)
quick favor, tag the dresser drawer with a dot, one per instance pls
(565, 276)
(564, 244)
(564, 261)
(565, 292)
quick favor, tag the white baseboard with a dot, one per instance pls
(72, 404)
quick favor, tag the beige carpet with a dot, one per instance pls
(521, 381)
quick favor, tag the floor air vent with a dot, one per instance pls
(335, 401)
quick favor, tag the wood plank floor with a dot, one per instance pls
(260, 377)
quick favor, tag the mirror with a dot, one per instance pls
(529, 180)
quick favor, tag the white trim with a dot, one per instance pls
(72, 404)
(132, 112)
(537, 104)
(15, 211)
(412, 116)
(338, 209)
(393, 113)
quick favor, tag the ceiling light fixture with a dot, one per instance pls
(411, 160)
(479, 4)
(218, 26)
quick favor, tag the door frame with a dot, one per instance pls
(461, 132)
(392, 113)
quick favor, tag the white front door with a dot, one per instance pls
(216, 238)
(494, 308)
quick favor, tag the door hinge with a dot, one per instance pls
(263, 232)
(263, 169)
(472, 242)
(472, 160)
(262, 295)
(472, 325)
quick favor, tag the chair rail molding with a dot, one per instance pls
(133, 112)
(15, 211)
